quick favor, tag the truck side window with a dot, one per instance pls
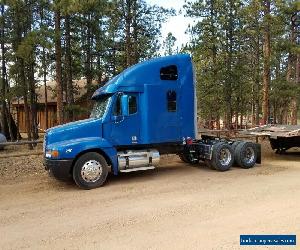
(169, 73)
(132, 104)
(117, 108)
(171, 100)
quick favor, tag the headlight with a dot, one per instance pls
(52, 154)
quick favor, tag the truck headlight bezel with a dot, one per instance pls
(53, 154)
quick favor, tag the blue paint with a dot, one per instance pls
(165, 111)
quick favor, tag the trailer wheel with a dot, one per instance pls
(245, 154)
(281, 151)
(222, 156)
(90, 171)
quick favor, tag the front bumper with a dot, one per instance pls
(60, 169)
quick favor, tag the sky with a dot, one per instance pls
(177, 24)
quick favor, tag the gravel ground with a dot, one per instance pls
(20, 167)
(176, 206)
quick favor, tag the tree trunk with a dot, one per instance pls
(18, 119)
(45, 87)
(257, 82)
(69, 85)
(33, 102)
(274, 112)
(218, 122)
(236, 120)
(3, 121)
(128, 20)
(20, 31)
(294, 104)
(44, 65)
(30, 75)
(26, 107)
(228, 84)
(7, 124)
(241, 120)
(99, 70)
(88, 68)
(58, 78)
(291, 61)
(214, 58)
(266, 69)
(253, 121)
(135, 57)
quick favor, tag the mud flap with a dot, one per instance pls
(258, 159)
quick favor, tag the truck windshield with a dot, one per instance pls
(100, 107)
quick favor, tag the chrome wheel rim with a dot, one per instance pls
(91, 171)
(249, 155)
(225, 156)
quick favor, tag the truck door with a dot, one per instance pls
(125, 129)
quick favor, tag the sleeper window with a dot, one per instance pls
(132, 104)
(169, 73)
(171, 100)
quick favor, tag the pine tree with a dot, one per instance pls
(168, 44)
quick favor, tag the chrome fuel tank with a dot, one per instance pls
(138, 158)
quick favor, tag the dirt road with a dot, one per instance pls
(176, 206)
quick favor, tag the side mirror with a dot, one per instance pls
(124, 102)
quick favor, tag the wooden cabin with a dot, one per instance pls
(80, 98)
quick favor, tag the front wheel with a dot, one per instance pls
(90, 171)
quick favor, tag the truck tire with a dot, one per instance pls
(245, 154)
(208, 163)
(90, 170)
(183, 158)
(187, 159)
(222, 156)
(234, 145)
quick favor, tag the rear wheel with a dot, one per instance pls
(222, 156)
(234, 145)
(208, 163)
(245, 154)
(90, 170)
(188, 158)
(183, 158)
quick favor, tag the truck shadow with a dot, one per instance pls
(163, 172)
(290, 153)
(159, 172)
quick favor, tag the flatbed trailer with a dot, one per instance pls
(281, 137)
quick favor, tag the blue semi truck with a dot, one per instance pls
(148, 110)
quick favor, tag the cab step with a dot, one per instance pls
(136, 169)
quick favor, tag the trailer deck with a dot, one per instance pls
(282, 137)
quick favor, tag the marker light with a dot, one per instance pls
(52, 154)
